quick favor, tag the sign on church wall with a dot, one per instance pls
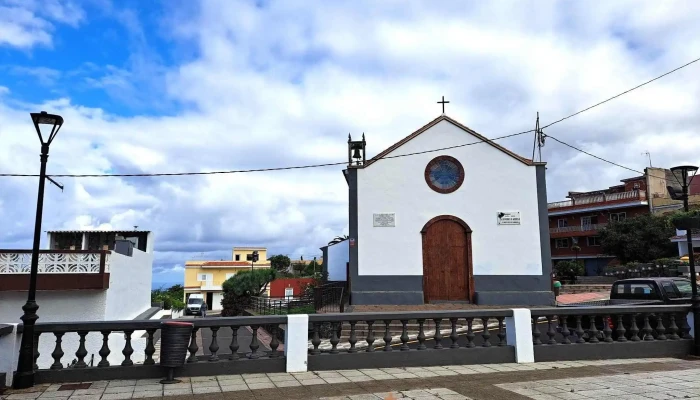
(508, 217)
(384, 220)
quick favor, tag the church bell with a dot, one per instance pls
(356, 151)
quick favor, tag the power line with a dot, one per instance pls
(623, 93)
(385, 157)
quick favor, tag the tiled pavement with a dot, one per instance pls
(540, 381)
(580, 297)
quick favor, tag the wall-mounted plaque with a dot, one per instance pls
(384, 220)
(508, 217)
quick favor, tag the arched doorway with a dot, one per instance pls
(447, 260)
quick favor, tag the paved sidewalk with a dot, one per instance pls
(581, 297)
(540, 381)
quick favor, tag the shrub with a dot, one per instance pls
(239, 288)
(569, 269)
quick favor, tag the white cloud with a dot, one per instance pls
(28, 23)
(283, 85)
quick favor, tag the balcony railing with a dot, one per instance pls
(599, 198)
(578, 228)
(55, 261)
(57, 269)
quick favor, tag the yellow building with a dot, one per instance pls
(206, 277)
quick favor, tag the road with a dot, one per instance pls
(223, 338)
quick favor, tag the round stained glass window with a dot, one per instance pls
(444, 174)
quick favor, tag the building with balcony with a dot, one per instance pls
(574, 224)
(82, 276)
(206, 277)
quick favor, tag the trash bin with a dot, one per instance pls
(557, 288)
(174, 340)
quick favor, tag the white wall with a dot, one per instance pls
(55, 306)
(338, 256)
(216, 301)
(129, 291)
(493, 182)
(9, 355)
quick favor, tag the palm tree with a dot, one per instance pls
(338, 239)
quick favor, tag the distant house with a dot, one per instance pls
(207, 277)
(83, 275)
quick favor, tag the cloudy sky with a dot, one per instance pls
(181, 85)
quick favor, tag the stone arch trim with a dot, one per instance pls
(451, 218)
(470, 265)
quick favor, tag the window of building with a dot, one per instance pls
(593, 240)
(562, 223)
(615, 217)
(588, 221)
(205, 277)
(238, 257)
(561, 243)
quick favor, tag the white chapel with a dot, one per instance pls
(466, 224)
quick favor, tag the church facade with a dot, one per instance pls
(464, 224)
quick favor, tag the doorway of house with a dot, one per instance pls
(210, 300)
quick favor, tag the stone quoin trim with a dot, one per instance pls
(460, 172)
(470, 264)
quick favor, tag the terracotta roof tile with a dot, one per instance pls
(232, 264)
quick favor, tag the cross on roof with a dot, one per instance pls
(443, 102)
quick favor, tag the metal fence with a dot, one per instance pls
(330, 297)
(281, 305)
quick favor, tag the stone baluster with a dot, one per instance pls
(234, 344)
(485, 334)
(214, 345)
(421, 335)
(551, 332)
(128, 350)
(104, 351)
(353, 338)
(501, 332)
(254, 345)
(387, 335)
(82, 351)
(470, 333)
(57, 353)
(607, 330)
(621, 328)
(150, 347)
(438, 335)
(316, 339)
(454, 337)
(274, 342)
(193, 348)
(565, 332)
(579, 330)
(647, 331)
(673, 328)
(334, 338)
(404, 335)
(660, 329)
(36, 350)
(592, 330)
(634, 330)
(535, 332)
(370, 337)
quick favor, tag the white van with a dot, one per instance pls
(196, 305)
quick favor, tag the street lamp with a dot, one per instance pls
(684, 175)
(25, 365)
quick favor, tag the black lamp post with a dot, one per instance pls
(684, 175)
(25, 366)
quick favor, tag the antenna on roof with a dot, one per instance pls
(538, 140)
(646, 153)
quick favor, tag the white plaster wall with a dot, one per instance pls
(216, 301)
(493, 182)
(129, 291)
(55, 306)
(338, 256)
(9, 353)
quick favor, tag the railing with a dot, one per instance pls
(599, 198)
(281, 305)
(656, 330)
(330, 297)
(55, 261)
(578, 228)
(456, 337)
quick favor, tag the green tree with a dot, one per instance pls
(644, 239)
(568, 270)
(312, 268)
(280, 262)
(239, 288)
(172, 297)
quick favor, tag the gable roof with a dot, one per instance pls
(458, 125)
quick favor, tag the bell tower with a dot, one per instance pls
(356, 152)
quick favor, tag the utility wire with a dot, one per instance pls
(375, 159)
(623, 93)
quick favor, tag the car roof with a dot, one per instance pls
(654, 278)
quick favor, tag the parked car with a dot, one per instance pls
(196, 305)
(635, 291)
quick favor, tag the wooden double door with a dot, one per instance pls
(447, 260)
